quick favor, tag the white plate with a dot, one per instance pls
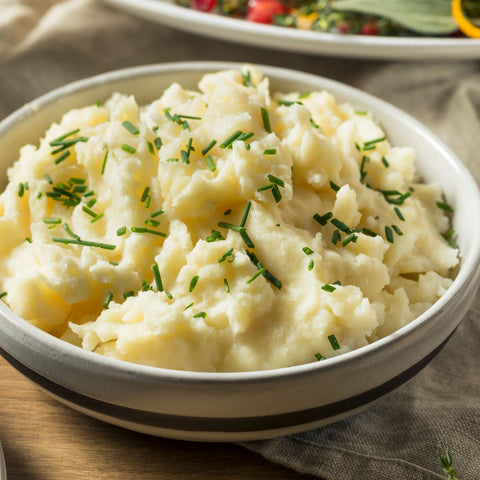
(282, 38)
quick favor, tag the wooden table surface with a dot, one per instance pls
(45, 440)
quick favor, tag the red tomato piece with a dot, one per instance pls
(263, 11)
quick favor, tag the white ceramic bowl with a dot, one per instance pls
(241, 406)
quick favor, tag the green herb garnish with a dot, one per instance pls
(334, 342)
(131, 127)
(265, 119)
(193, 283)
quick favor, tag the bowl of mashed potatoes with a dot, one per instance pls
(215, 251)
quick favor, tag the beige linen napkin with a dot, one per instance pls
(47, 43)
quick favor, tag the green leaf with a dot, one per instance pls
(432, 17)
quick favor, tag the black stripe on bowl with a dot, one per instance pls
(212, 424)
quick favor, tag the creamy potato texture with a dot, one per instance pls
(224, 229)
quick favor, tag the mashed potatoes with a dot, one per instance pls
(225, 229)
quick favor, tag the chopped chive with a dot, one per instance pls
(39, 195)
(366, 231)
(311, 264)
(151, 148)
(147, 201)
(88, 211)
(267, 274)
(69, 232)
(266, 119)
(245, 136)
(319, 357)
(399, 214)
(228, 141)
(145, 285)
(21, 189)
(57, 140)
(363, 173)
(247, 240)
(147, 230)
(185, 157)
(398, 198)
(151, 222)
(357, 146)
(130, 293)
(200, 315)
(131, 127)
(208, 147)
(360, 112)
(270, 151)
(210, 163)
(189, 306)
(314, 124)
(265, 187)
(397, 230)
(227, 286)
(128, 148)
(374, 141)
(246, 79)
(248, 206)
(336, 237)
(145, 193)
(340, 225)
(323, 219)
(389, 234)
(304, 95)
(193, 283)
(288, 103)
(308, 251)
(79, 189)
(228, 256)
(107, 300)
(52, 220)
(334, 342)
(115, 264)
(62, 157)
(444, 206)
(276, 193)
(67, 144)
(334, 187)
(121, 231)
(275, 180)
(47, 177)
(157, 277)
(84, 243)
(385, 162)
(230, 226)
(259, 272)
(449, 234)
(214, 236)
(157, 213)
(351, 238)
(158, 143)
(172, 159)
(228, 211)
(97, 217)
(28, 239)
(3, 294)
(328, 288)
(367, 148)
(189, 117)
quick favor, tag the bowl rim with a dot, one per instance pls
(466, 274)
